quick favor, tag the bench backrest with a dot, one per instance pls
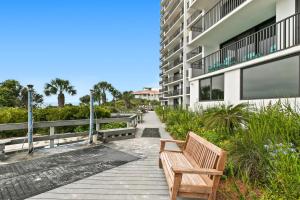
(203, 154)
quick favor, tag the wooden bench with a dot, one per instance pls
(195, 171)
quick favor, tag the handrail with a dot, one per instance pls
(174, 78)
(276, 37)
(59, 123)
(174, 93)
(193, 16)
(194, 52)
(215, 14)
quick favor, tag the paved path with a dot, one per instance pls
(138, 180)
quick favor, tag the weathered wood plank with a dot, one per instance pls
(47, 124)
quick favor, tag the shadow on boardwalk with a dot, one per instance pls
(137, 180)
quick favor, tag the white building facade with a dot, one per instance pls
(232, 51)
(147, 94)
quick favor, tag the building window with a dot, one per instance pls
(277, 79)
(212, 88)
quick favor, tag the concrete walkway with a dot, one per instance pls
(138, 180)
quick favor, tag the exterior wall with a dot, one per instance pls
(232, 86)
(248, 15)
(147, 97)
(284, 9)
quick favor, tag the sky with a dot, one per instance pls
(83, 41)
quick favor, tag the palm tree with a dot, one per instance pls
(58, 87)
(227, 117)
(127, 96)
(100, 90)
(116, 95)
(37, 99)
(85, 100)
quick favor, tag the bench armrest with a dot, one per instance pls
(213, 172)
(164, 141)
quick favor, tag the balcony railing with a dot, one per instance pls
(193, 16)
(175, 63)
(279, 36)
(194, 52)
(174, 21)
(175, 78)
(174, 93)
(176, 48)
(172, 9)
(215, 14)
(174, 35)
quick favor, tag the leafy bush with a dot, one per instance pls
(284, 173)
(17, 115)
(251, 131)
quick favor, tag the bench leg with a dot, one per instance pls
(159, 163)
(176, 185)
(212, 196)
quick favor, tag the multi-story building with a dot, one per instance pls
(235, 51)
(147, 93)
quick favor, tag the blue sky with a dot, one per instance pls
(84, 41)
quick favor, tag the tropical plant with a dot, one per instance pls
(100, 91)
(9, 93)
(85, 100)
(37, 99)
(115, 94)
(226, 118)
(127, 97)
(59, 87)
(13, 94)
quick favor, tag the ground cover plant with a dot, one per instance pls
(262, 144)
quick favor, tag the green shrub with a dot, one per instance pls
(251, 131)
(17, 115)
(284, 173)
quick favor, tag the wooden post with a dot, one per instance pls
(30, 120)
(95, 137)
(91, 131)
(2, 152)
(52, 132)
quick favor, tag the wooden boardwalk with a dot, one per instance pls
(136, 180)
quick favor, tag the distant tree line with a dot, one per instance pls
(13, 94)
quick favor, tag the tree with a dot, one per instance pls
(59, 87)
(100, 90)
(37, 99)
(85, 99)
(127, 97)
(116, 95)
(9, 93)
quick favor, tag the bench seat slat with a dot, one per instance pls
(190, 182)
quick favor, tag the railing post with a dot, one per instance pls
(91, 131)
(30, 120)
(2, 152)
(52, 132)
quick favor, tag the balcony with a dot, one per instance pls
(173, 51)
(175, 5)
(173, 36)
(174, 78)
(195, 52)
(174, 64)
(194, 16)
(276, 37)
(173, 93)
(169, 28)
(213, 15)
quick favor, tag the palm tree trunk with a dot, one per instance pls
(61, 100)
